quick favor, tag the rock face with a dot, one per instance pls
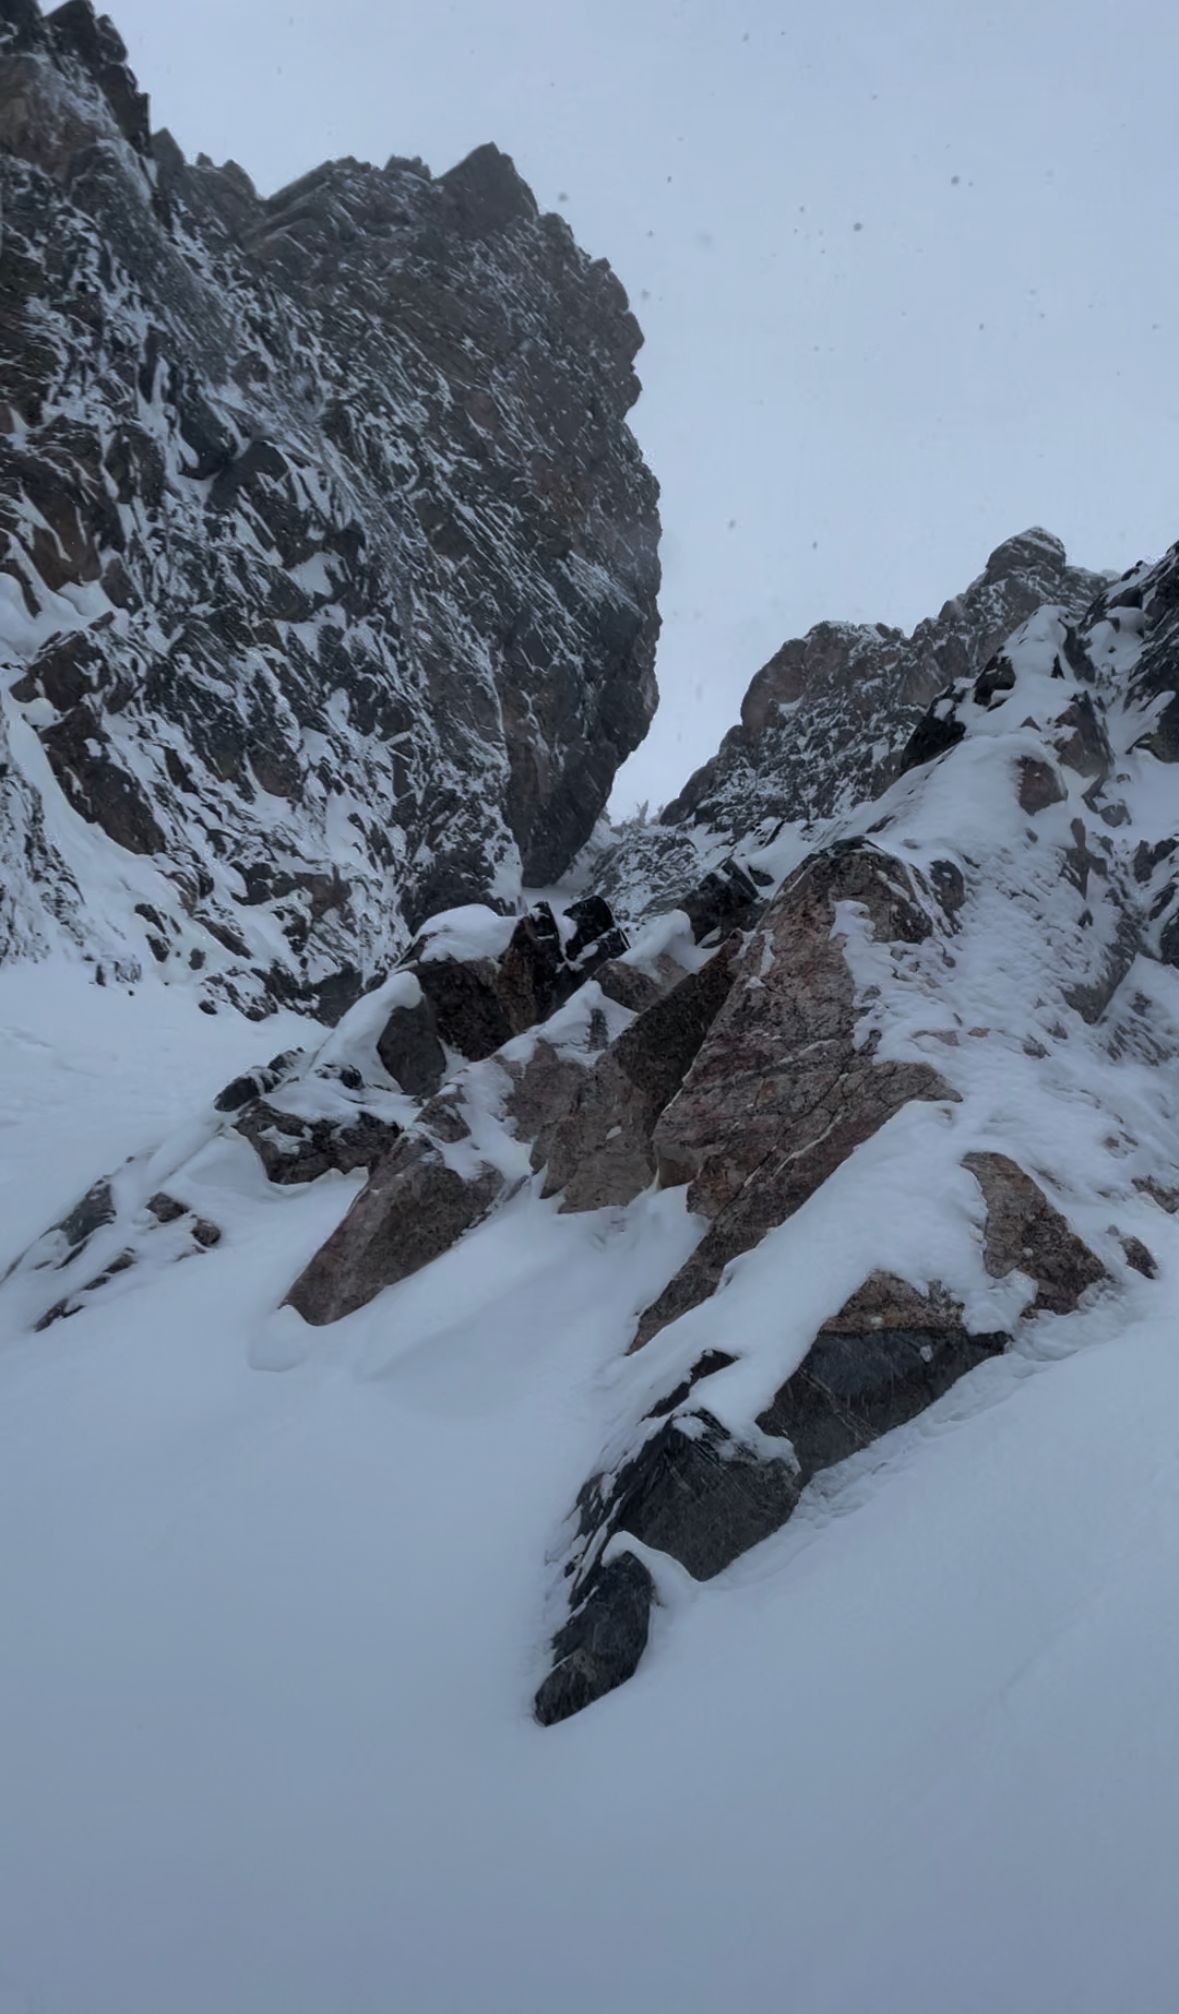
(329, 561)
(784, 1089)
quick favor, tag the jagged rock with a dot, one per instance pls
(596, 936)
(253, 1084)
(600, 1151)
(164, 1208)
(532, 977)
(935, 734)
(996, 678)
(703, 1496)
(887, 1354)
(295, 1148)
(599, 1648)
(780, 1094)
(542, 1088)
(1139, 1258)
(478, 1004)
(96, 1209)
(816, 717)
(369, 555)
(1025, 1234)
(1162, 1193)
(1081, 741)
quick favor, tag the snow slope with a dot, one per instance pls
(271, 1638)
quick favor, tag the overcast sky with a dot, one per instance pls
(907, 271)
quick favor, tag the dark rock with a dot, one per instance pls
(1161, 1193)
(705, 1367)
(1081, 741)
(599, 1648)
(886, 1356)
(165, 1208)
(464, 997)
(96, 1209)
(533, 978)
(596, 936)
(726, 899)
(704, 1497)
(293, 1148)
(995, 680)
(1039, 786)
(627, 985)
(1139, 1258)
(934, 735)
(256, 1083)
(410, 1050)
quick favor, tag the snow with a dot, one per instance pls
(276, 1597)
(275, 1601)
(470, 931)
(90, 1075)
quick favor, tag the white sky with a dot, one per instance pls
(844, 420)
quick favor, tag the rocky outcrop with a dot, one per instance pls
(697, 1493)
(330, 561)
(415, 1206)
(328, 594)
(783, 1089)
(833, 718)
(824, 722)
(600, 1150)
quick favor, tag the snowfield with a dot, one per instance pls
(274, 1608)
